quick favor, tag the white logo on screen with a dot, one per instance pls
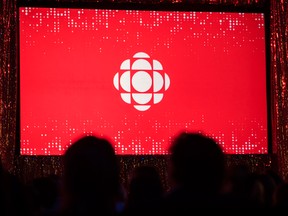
(141, 81)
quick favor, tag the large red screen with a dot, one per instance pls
(139, 77)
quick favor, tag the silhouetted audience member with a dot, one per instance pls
(280, 197)
(43, 194)
(250, 189)
(246, 190)
(240, 184)
(12, 194)
(197, 170)
(269, 185)
(91, 178)
(145, 192)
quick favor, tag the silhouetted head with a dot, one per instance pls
(91, 172)
(197, 161)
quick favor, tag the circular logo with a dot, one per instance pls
(141, 81)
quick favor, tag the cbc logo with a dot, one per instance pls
(141, 81)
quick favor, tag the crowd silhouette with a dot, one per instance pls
(91, 184)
